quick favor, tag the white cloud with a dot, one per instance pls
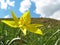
(24, 5)
(48, 8)
(56, 15)
(6, 16)
(10, 3)
(4, 4)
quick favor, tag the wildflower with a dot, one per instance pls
(24, 23)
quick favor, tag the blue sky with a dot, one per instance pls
(38, 8)
(15, 8)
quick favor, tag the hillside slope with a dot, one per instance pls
(51, 30)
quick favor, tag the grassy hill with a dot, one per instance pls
(51, 30)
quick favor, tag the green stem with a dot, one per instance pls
(21, 38)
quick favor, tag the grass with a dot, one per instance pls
(51, 35)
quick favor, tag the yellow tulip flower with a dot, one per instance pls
(24, 23)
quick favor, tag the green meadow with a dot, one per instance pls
(51, 36)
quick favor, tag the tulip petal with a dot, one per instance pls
(25, 19)
(37, 25)
(33, 29)
(10, 23)
(23, 29)
(14, 16)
